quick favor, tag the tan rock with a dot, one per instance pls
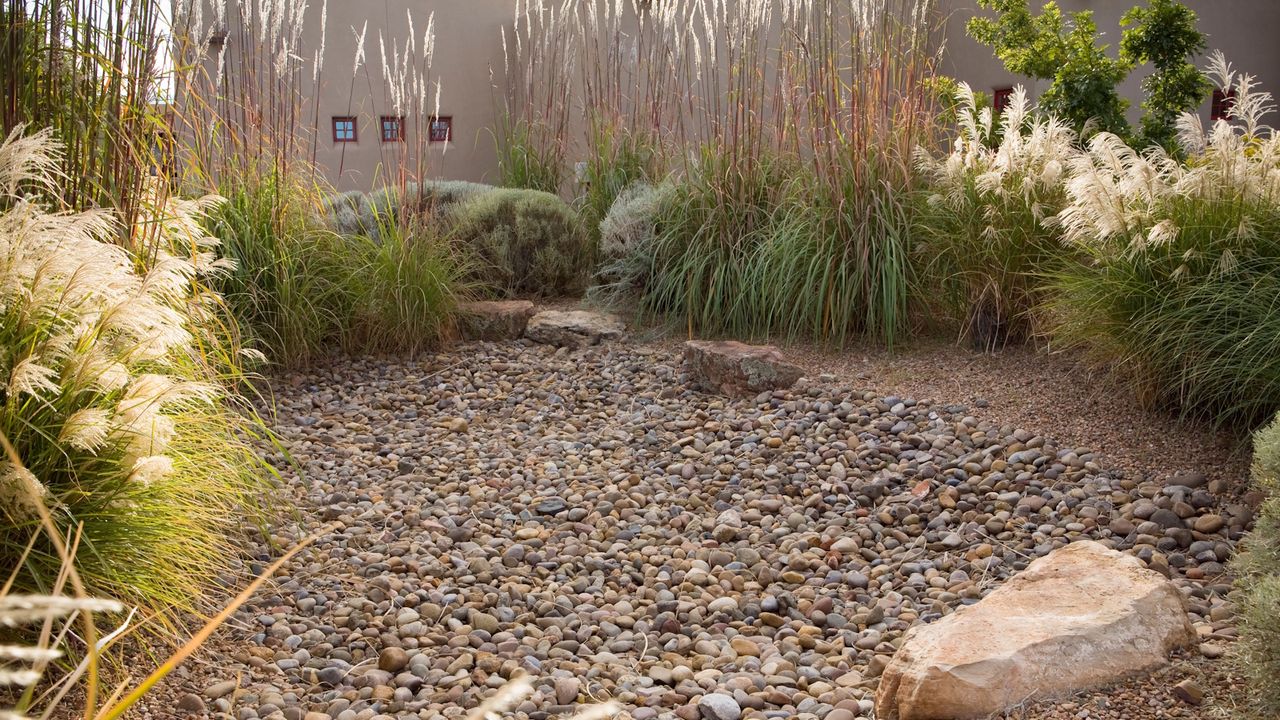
(494, 319)
(573, 328)
(1079, 617)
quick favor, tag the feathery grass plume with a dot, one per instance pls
(1182, 274)
(988, 226)
(534, 106)
(1257, 654)
(117, 394)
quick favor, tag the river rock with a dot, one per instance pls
(573, 328)
(1080, 617)
(734, 368)
(494, 319)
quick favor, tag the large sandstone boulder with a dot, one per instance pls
(734, 368)
(1079, 617)
(494, 319)
(573, 328)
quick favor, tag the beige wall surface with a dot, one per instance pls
(468, 48)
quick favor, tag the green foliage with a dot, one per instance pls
(618, 159)
(1164, 34)
(407, 290)
(1183, 264)
(627, 236)
(1258, 581)
(1084, 78)
(1046, 46)
(291, 286)
(762, 251)
(359, 213)
(988, 230)
(529, 242)
(119, 397)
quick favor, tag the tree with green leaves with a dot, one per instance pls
(1164, 34)
(1063, 50)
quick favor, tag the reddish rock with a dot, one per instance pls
(494, 319)
(734, 368)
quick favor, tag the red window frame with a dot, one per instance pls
(433, 132)
(1223, 102)
(1000, 98)
(355, 132)
(393, 123)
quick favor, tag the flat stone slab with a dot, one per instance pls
(1080, 617)
(573, 328)
(734, 368)
(494, 319)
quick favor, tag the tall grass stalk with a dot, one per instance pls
(88, 69)
(536, 101)
(805, 116)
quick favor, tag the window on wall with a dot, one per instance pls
(392, 128)
(441, 129)
(344, 128)
(1222, 104)
(1001, 97)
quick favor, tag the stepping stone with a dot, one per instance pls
(1080, 617)
(573, 328)
(734, 368)
(494, 319)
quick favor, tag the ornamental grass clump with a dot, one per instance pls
(988, 231)
(116, 381)
(1258, 652)
(1181, 271)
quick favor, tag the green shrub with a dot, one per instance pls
(1183, 262)
(116, 399)
(988, 230)
(359, 213)
(291, 284)
(527, 242)
(618, 160)
(1258, 568)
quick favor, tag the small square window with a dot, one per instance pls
(1223, 103)
(441, 128)
(344, 129)
(1001, 97)
(392, 128)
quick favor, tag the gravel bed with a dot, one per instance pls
(585, 517)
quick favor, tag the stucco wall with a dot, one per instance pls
(467, 45)
(468, 48)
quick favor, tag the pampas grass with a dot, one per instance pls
(989, 230)
(117, 394)
(1182, 274)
